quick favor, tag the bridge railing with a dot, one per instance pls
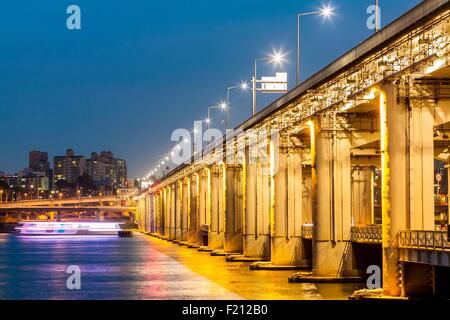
(367, 234)
(427, 240)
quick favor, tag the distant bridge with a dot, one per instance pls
(56, 207)
(61, 202)
(69, 209)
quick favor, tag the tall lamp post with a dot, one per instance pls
(325, 12)
(221, 106)
(377, 17)
(243, 86)
(275, 58)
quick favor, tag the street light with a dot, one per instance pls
(221, 106)
(377, 17)
(243, 86)
(276, 58)
(326, 12)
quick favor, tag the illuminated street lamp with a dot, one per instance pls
(276, 58)
(243, 86)
(326, 12)
(221, 106)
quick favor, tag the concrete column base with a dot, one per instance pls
(338, 262)
(288, 252)
(184, 234)
(233, 242)
(258, 248)
(216, 240)
(309, 277)
(269, 266)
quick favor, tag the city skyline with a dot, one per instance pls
(136, 119)
(50, 159)
(71, 174)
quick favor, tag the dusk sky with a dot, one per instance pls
(140, 69)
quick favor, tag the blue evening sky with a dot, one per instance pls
(139, 69)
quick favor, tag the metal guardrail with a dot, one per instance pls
(367, 234)
(427, 240)
(307, 231)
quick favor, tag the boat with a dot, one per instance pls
(41, 228)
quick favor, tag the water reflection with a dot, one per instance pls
(138, 268)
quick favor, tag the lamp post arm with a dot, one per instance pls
(301, 14)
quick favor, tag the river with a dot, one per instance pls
(139, 268)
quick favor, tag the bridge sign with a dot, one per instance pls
(277, 84)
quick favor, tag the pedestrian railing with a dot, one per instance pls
(428, 240)
(367, 234)
(307, 231)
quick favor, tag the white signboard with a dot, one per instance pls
(275, 84)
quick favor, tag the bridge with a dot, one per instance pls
(56, 207)
(62, 202)
(336, 175)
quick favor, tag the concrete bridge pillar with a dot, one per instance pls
(263, 204)
(147, 213)
(234, 209)
(154, 213)
(257, 207)
(185, 210)
(257, 238)
(307, 194)
(178, 199)
(166, 212)
(143, 214)
(157, 213)
(422, 211)
(216, 236)
(171, 211)
(203, 203)
(193, 210)
(287, 205)
(394, 121)
(151, 209)
(250, 234)
(362, 200)
(332, 256)
(161, 212)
